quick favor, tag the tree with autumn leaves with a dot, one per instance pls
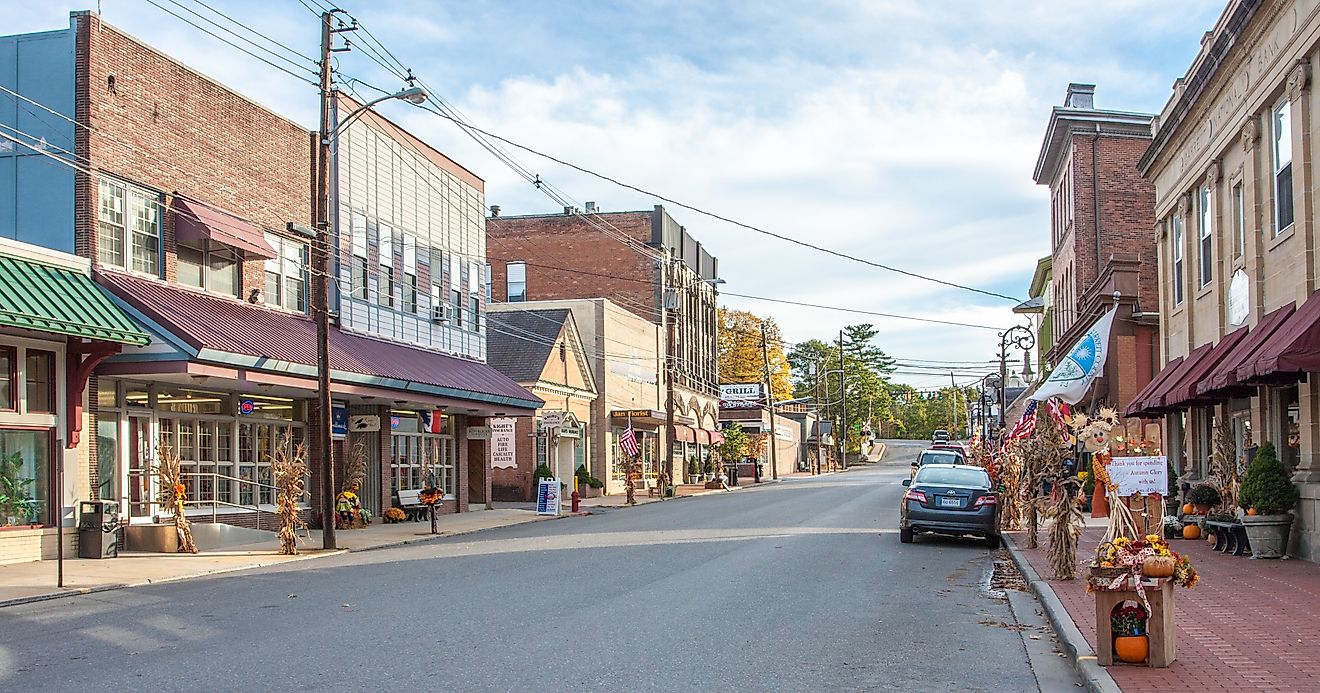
(740, 357)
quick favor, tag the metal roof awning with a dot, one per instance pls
(47, 298)
(195, 221)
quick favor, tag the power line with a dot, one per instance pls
(865, 312)
(249, 53)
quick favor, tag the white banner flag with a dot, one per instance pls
(1085, 360)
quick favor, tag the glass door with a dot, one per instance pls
(141, 453)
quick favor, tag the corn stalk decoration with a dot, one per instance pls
(1065, 516)
(1010, 475)
(1223, 464)
(355, 469)
(174, 494)
(290, 472)
(1042, 455)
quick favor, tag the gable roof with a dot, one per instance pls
(518, 342)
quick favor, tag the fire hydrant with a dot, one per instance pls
(576, 500)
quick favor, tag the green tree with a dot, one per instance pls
(859, 342)
(740, 356)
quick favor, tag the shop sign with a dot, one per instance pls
(740, 404)
(547, 497)
(1139, 475)
(1239, 298)
(338, 420)
(246, 406)
(784, 432)
(740, 391)
(570, 431)
(503, 452)
(363, 423)
(632, 414)
(552, 418)
(478, 432)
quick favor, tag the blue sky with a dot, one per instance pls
(902, 132)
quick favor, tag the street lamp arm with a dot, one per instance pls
(413, 95)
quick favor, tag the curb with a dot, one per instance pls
(1096, 678)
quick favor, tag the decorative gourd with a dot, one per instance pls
(1253, 512)
(1191, 531)
(1158, 567)
(1210, 538)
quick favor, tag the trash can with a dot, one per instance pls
(732, 471)
(98, 529)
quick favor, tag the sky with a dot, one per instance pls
(904, 133)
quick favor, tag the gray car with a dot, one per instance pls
(953, 499)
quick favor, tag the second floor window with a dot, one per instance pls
(385, 283)
(456, 299)
(358, 263)
(1239, 223)
(1205, 249)
(128, 227)
(515, 276)
(286, 274)
(209, 265)
(474, 313)
(1281, 153)
(1177, 253)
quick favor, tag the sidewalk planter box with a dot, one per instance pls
(1268, 534)
(1159, 626)
(153, 538)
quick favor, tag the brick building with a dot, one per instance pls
(642, 261)
(1234, 178)
(1100, 221)
(184, 195)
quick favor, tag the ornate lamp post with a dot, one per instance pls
(1018, 337)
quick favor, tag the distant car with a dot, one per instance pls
(939, 436)
(962, 448)
(952, 499)
(937, 455)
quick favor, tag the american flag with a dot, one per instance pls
(1025, 425)
(1060, 411)
(628, 441)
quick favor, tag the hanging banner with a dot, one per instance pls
(1085, 360)
(503, 452)
(1139, 475)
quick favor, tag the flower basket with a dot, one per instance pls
(1100, 578)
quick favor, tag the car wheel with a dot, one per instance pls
(905, 535)
(992, 541)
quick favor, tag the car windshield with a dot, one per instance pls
(940, 457)
(953, 476)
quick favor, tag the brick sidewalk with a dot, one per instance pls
(1248, 625)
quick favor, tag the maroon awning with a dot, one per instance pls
(195, 221)
(1184, 394)
(716, 437)
(684, 434)
(1138, 405)
(1155, 403)
(1291, 352)
(703, 436)
(1223, 380)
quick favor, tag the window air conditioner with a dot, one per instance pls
(442, 314)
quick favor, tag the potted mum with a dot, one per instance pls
(1267, 495)
(1203, 497)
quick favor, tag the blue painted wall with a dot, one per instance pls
(36, 193)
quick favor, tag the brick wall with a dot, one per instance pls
(600, 265)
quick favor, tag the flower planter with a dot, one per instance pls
(1268, 534)
(694, 479)
(1133, 649)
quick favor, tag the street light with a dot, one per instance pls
(988, 384)
(320, 279)
(1020, 337)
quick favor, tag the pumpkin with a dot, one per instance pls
(1253, 512)
(1158, 566)
(1210, 538)
(1191, 531)
(1187, 508)
(1132, 649)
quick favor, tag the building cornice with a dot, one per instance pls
(1065, 122)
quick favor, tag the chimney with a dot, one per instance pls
(1080, 96)
(569, 211)
(494, 211)
(591, 207)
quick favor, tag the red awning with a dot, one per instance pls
(1292, 351)
(1162, 400)
(1184, 395)
(716, 437)
(1138, 405)
(195, 221)
(684, 434)
(703, 436)
(1223, 379)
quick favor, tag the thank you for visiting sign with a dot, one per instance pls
(503, 453)
(1139, 475)
(547, 497)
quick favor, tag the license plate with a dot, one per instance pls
(951, 502)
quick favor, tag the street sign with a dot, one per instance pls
(478, 432)
(547, 497)
(363, 423)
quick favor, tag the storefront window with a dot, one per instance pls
(8, 356)
(25, 477)
(107, 450)
(1291, 449)
(411, 452)
(39, 371)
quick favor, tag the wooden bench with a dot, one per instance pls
(410, 500)
(1230, 537)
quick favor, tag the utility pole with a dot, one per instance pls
(843, 408)
(770, 404)
(954, 386)
(670, 317)
(321, 292)
(820, 418)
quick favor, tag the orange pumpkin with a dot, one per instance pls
(1187, 508)
(1158, 566)
(1132, 649)
(1252, 511)
(1191, 531)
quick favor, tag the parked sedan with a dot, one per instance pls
(953, 499)
(937, 455)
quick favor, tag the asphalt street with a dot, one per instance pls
(796, 586)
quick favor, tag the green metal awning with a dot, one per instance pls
(47, 298)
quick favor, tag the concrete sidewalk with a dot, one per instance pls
(1248, 625)
(35, 581)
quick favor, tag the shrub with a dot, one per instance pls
(1266, 486)
(1204, 494)
(542, 472)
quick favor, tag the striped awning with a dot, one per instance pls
(49, 298)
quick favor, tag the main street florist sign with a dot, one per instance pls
(1139, 475)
